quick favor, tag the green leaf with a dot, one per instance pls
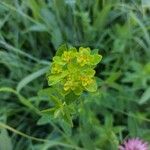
(35, 8)
(71, 97)
(73, 49)
(101, 18)
(78, 91)
(53, 94)
(92, 87)
(5, 140)
(37, 28)
(145, 97)
(30, 78)
(89, 72)
(59, 112)
(109, 121)
(96, 59)
(58, 60)
(68, 109)
(61, 49)
(22, 99)
(66, 127)
(45, 119)
(95, 51)
(53, 79)
(133, 126)
(113, 77)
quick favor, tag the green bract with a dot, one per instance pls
(74, 69)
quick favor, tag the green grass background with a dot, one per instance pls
(30, 33)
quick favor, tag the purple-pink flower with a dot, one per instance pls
(134, 144)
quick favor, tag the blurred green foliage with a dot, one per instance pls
(30, 33)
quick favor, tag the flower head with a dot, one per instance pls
(84, 56)
(74, 70)
(67, 56)
(134, 144)
(56, 68)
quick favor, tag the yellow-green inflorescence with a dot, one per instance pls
(74, 70)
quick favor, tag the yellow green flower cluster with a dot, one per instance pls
(74, 70)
